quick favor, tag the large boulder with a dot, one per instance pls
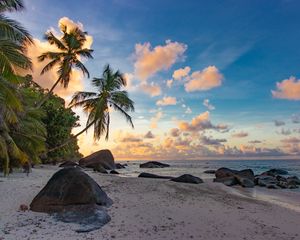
(150, 175)
(103, 158)
(187, 178)
(232, 177)
(154, 164)
(69, 187)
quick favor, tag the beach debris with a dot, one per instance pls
(154, 164)
(103, 158)
(72, 195)
(23, 208)
(210, 171)
(231, 177)
(187, 178)
(151, 175)
(114, 172)
(68, 163)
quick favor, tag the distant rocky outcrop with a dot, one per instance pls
(187, 178)
(154, 164)
(103, 158)
(68, 164)
(151, 175)
(232, 177)
(73, 196)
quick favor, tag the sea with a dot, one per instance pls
(288, 198)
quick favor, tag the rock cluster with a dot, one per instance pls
(154, 164)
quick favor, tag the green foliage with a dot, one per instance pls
(108, 94)
(59, 122)
(70, 49)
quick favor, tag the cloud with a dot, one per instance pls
(210, 141)
(200, 123)
(285, 132)
(48, 79)
(240, 135)
(166, 101)
(152, 89)
(255, 141)
(188, 110)
(296, 118)
(287, 89)
(291, 140)
(174, 132)
(181, 73)
(169, 83)
(155, 119)
(162, 57)
(206, 79)
(208, 105)
(149, 135)
(279, 123)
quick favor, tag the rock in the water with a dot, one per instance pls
(68, 164)
(154, 164)
(228, 181)
(119, 166)
(187, 178)
(103, 158)
(232, 177)
(113, 172)
(275, 171)
(86, 217)
(150, 175)
(69, 186)
(210, 171)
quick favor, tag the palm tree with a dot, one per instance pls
(70, 50)
(97, 104)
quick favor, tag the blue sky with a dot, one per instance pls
(252, 44)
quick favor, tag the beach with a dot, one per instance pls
(150, 209)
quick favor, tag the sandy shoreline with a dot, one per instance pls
(150, 209)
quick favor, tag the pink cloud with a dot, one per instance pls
(181, 73)
(150, 61)
(287, 89)
(166, 101)
(206, 79)
(152, 89)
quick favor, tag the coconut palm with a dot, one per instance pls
(13, 38)
(97, 104)
(70, 49)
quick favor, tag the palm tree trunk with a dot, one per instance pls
(72, 138)
(48, 94)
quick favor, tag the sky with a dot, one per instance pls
(210, 79)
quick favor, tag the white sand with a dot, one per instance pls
(150, 209)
